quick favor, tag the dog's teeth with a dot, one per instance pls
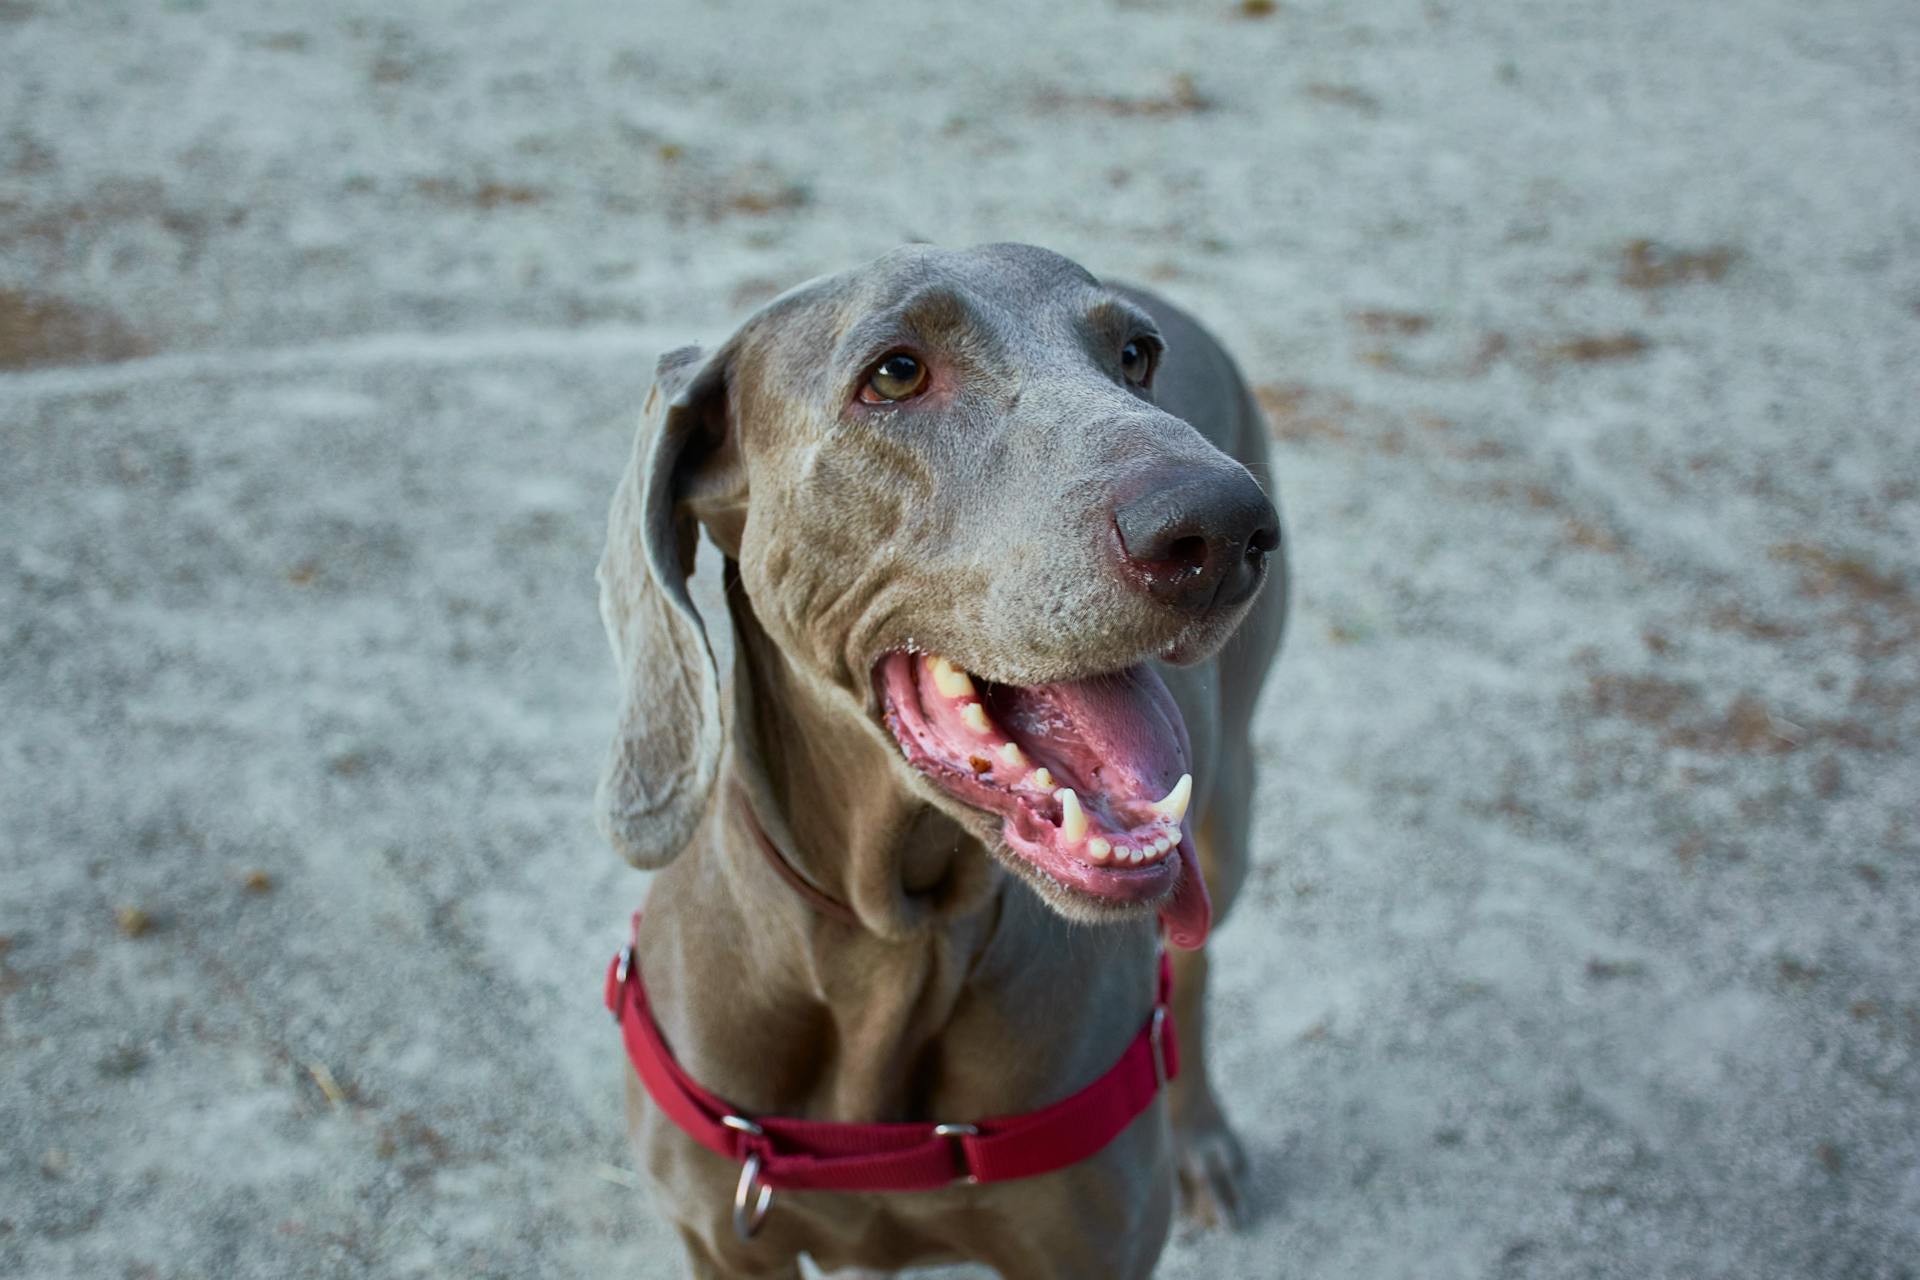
(974, 716)
(1043, 779)
(1174, 807)
(1137, 857)
(1162, 845)
(1098, 849)
(950, 680)
(1073, 820)
(1012, 756)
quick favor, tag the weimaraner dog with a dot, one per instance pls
(994, 539)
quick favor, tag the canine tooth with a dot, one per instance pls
(950, 680)
(974, 716)
(1043, 779)
(1098, 849)
(1073, 819)
(1174, 807)
(1011, 755)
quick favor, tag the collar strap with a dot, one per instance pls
(817, 898)
(779, 1153)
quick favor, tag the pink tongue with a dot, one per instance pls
(1188, 915)
(1128, 729)
(1118, 736)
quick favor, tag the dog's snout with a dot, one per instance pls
(1197, 542)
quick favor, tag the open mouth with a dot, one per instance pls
(1089, 777)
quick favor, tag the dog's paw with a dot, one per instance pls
(1212, 1168)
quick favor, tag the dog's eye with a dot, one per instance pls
(897, 377)
(1136, 362)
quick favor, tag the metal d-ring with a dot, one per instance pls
(620, 972)
(748, 1212)
(746, 1221)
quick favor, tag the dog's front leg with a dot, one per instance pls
(704, 1263)
(1211, 1164)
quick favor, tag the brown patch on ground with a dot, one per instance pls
(1647, 264)
(37, 330)
(1735, 617)
(1299, 414)
(1685, 721)
(413, 1144)
(1590, 536)
(1182, 99)
(25, 154)
(756, 191)
(1877, 606)
(1798, 971)
(753, 291)
(1826, 573)
(280, 41)
(1746, 728)
(116, 202)
(764, 201)
(483, 195)
(1594, 348)
(1607, 970)
(1438, 356)
(1343, 95)
(1389, 323)
(1257, 8)
(1580, 530)
(1648, 700)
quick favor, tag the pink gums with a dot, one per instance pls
(1117, 740)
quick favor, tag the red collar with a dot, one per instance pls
(776, 1152)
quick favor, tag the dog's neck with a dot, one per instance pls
(828, 791)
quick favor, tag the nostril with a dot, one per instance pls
(1262, 541)
(1189, 552)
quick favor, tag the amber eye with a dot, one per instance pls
(1136, 362)
(898, 377)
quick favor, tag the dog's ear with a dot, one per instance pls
(666, 749)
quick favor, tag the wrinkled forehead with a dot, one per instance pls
(1013, 302)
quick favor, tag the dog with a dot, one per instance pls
(1004, 584)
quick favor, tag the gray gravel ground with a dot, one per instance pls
(1583, 938)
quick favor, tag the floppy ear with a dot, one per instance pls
(667, 747)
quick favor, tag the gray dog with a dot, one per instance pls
(994, 549)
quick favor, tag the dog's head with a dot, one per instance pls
(955, 506)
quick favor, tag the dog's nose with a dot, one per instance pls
(1197, 542)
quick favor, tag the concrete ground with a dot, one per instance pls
(1585, 935)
